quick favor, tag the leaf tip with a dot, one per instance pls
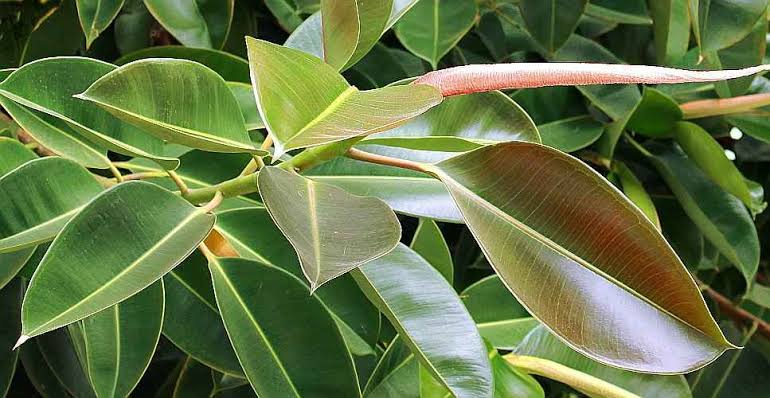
(22, 339)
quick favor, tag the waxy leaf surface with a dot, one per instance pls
(86, 271)
(351, 28)
(331, 230)
(96, 16)
(176, 100)
(232, 68)
(590, 273)
(429, 242)
(195, 23)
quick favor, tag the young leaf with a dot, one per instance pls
(96, 16)
(120, 341)
(433, 27)
(192, 320)
(232, 68)
(10, 296)
(351, 28)
(551, 22)
(331, 230)
(195, 23)
(413, 295)
(311, 104)
(523, 203)
(163, 227)
(49, 86)
(253, 299)
(153, 95)
(34, 213)
(542, 344)
(428, 241)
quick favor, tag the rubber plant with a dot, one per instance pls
(422, 198)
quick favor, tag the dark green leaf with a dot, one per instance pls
(551, 22)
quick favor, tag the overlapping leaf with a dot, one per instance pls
(195, 23)
(351, 28)
(229, 66)
(96, 16)
(551, 22)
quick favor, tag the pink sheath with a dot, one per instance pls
(480, 78)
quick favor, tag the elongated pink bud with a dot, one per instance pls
(479, 78)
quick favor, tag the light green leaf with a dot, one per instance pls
(311, 104)
(428, 241)
(671, 29)
(265, 339)
(13, 154)
(635, 192)
(244, 95)
(551, 22)
(571, 134)
(195, 23)
(11, 296)
(351, 28)
(523, 202)
(289, 12)
(433, 27)
(49, 86)
(718, 24)
(163, 227)
(510, 382)
(414, 296)
(542, 344)
(56, 136)
(96, 16)
(120, 341)
(192, 320)
(462, 123)
(331, 230)
(34, 213)
(229, 66)
(656, 114)
(150, 94)
(721, 217)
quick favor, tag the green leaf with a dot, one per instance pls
(308, 37)
(194, 380)
(462, 123)
(162, 234)
(14, 154)
(96, 16)
(34, 213)
(192, 320)
(244, 95)
(195, 23)
(706, 152)
(12, 263)
(680, 232)
(749, 51)
(311, 104)
(288, 12)
(721, 217)
(542, 344)
(551, 22)
(331, 230)
(510, 382)
(571, 134)
(120, 341)
(620, 11)
(11, 296)
(61, 353)
(428, 242)
(396, 374)
(722, 23)
(253, 299)
(433, 27)
(635, 192)
(39, 372)
(150, 94)
(56, 136)
(229, 66)
(523, 203)
(414, 296)
(671, 29)
(351, 28)
(49, 86)
(656, 114)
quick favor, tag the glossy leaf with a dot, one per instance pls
(34, 213)
(571, 134)
(433, 27)
(551, 22)
(230, 67)
(192, 320)
(244, 95)
(351, 28)
(120, 341)
(542, 344)
(428, 242)
(635, 192)
(288, 12)
(510, 382)
(162, 235)
(308, 37)
(253, 298)
(749, 51)
(517, 221)
(396, 373)
(718, 24)
(671, 29)
(311, 104)
(96, 16)
(721, 217)
(195, 23)
(331, 230)
(656, 114)
(49, 86)
(14, 154)
(11, 296)
(56, 136)
(412, 294)
(151, 93)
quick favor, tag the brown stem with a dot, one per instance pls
(358, 154)
(479, 78)
(738, 314)
(723, 106)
